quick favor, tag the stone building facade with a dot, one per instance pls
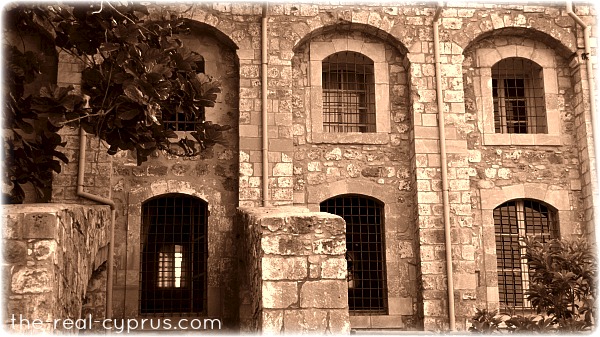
(264, 274)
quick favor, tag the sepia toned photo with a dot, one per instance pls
(327, 167)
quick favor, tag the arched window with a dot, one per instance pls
(367, 291)
(348, 93)
(514, 220)
(174, 252)
(518, 95)
(179, 121)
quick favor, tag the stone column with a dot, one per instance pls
(295, 271)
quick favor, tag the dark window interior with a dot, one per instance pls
(348, 93)
(515, 220)
(367, 291)
(173, 262)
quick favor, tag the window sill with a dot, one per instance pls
(358, 322)
(351, 138)
(521, 139)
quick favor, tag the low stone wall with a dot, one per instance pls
(50, 252)
(295, 272)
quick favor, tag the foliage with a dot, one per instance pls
(136, 74)
(485, 321)
(562, 276)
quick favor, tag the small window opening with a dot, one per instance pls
(170, 260)
(518, 95)
(180, 121)
(348, 93)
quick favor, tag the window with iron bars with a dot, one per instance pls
(515, 220)
(367, 293)
(174, 251)
(518, 95)
(348, 93)
(180, 121)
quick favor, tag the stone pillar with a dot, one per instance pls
(587, 179)
(429, 190)
(295, 272)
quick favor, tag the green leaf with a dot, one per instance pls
(24, 126)
(55, 166)
(170, 134)
(107, 47)
(57, 119)
(127, 113)
(134, 94)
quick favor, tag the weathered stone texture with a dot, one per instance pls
(49, 259)
(292, 284)
(401, 168)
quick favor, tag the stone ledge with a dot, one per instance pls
(351, 138)
(521, 139)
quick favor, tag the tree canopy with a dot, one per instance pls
(136, 74)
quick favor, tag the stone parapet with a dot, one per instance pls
(50, 253)
(295, 271)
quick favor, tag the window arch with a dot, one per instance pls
(513, 221)
(518, 95)
(516, 89)
(174, 255)
(347, 52)
(367, 291)
(348, 93)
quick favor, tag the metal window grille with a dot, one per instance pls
(518, 95)
(348, 93)
(174, 251)
(180, 121)
(515, 220)
(366, 277)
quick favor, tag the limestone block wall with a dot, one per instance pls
(294, 272)
(94, 302)
(399, 165)
(50, 252)
(548, 167)
(376, 164)
(212, 175)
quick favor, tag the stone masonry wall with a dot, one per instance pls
(50, 251)
(98, 162)
(94, 302)
(294, 272)
(214, 172)
(376, 164)
(499, 172)
(401, 168)
(405, 30)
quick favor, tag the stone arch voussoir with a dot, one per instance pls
(492, 198)
(563, 42)
(378, 32)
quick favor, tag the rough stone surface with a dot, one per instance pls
(48, 267)
(400, 168)
(324, 294)
(282, 282)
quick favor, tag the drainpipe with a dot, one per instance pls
(590, 74)
(81, 193)
(264, 122)
(444, 164)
